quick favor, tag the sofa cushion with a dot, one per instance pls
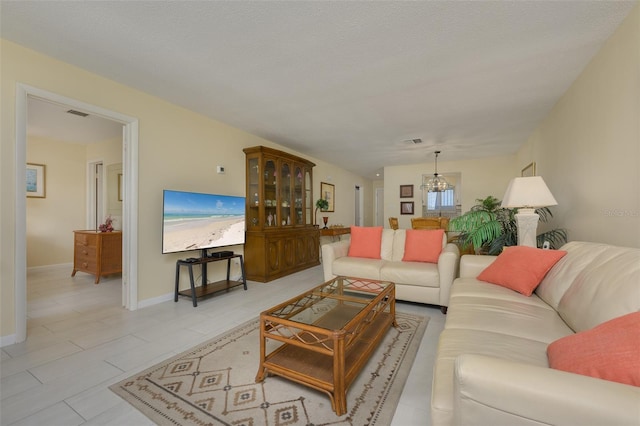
(521, 268)
(505, 312)
(610, 351)
(366, 241)
(605, 289)
(357, 267)
(386, 251)
(399, 237)
(411, 273)
(422, 245)
(563, 273)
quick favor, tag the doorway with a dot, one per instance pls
(379, 207)
(358, 206)
(130, 205)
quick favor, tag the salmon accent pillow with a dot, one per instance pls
(423, 245)
(366, 241)
(609, 351)
(521, 268)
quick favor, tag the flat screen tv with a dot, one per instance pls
(196, 221)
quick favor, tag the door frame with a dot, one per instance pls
(129, 210)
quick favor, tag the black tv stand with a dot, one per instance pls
(207, 288)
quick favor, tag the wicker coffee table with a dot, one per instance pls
(323, 337)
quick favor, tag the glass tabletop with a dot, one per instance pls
(333, 304)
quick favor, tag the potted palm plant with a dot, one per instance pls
(322, 205)
(488, 228)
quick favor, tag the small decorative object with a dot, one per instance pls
(284, 222)
(107, 226)
(325, 219)
(406, 207)
(406, 191)
(255, 197)
(288, 220)
(321, 204)
(269, 219)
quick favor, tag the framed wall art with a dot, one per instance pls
(406, 191)
(36, 180)
(328, 192)
(406, 207)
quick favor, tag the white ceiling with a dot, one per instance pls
(50, 120)
(346, 82)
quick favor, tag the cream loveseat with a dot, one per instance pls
(492, 366)
(421, 282)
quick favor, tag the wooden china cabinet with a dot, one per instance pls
(280, 238)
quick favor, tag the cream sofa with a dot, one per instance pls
(415, 281)
(491, 366)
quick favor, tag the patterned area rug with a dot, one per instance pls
(214, 384)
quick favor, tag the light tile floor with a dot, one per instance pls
(80, 341)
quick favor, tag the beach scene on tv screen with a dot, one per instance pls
(195, 221)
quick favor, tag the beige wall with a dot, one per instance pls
(588, 148)
(178, 149)
(480, 178)
(51, 220)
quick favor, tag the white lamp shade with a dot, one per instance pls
(528, 192)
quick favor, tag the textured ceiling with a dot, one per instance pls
(346, 82)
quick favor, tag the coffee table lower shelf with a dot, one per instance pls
(331, 374)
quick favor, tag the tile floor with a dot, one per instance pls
(80, 341)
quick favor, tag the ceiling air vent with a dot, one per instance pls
(416, 141)
(78, 113)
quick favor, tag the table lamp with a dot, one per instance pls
(527, 194)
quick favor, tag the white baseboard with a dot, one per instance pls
(56, 266)
(155, 300)
(7, 340)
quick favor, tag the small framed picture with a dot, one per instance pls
(406, 207)
(406, 191)
(328, 192)
(36, 180)
(530, 170)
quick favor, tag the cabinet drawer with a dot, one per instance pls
(86, 240)
(87, 265)
(85, 252)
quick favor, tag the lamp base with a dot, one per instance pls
(527, 222)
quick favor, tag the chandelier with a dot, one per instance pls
(437, 183)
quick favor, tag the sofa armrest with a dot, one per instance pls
(331, 252)
(472, 264)
(448, 264)
(493, 391)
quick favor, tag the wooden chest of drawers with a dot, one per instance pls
(98, 253)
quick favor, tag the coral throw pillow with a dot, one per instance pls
(610, 351)
(366, 241)
(521, 268)
(421, 245)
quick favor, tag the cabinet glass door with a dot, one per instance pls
(298, 195)
(284, 218)
(308, 199)
(270, 193)
(253, 193)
